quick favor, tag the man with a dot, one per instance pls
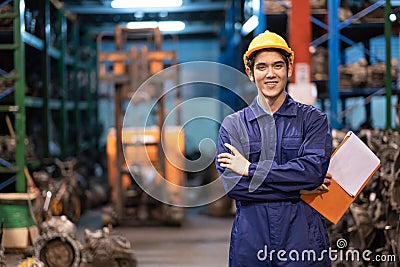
(270, 153)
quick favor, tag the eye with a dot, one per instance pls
(278, 66)
(261, 67)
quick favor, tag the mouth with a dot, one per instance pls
(271, 84)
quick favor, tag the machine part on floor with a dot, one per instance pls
(109, 216)
(57, 245)
(31, 262)
(59, 224)
(61, 195)
(132, 64)
(103, 249)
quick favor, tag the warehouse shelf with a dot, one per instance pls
(72, 112)
(358, 32)
(13, 45)
(329, 33)
(337, 36)
(55, 53)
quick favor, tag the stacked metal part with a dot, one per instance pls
(362, 75)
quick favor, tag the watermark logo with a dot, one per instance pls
(139, 114)
(342, 254)
(341, 243)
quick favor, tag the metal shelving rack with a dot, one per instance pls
(69, 109)
(334, 37)
(15, 40)
(18, 107)
(14, 209)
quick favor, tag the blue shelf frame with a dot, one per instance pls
(334, 37)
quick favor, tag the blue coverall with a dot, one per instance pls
(270, 218)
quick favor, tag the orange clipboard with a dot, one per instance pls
(334, 203)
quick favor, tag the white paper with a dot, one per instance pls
(352, 164)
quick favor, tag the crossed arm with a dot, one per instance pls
(240, 165)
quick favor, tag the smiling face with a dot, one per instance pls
(271, 74)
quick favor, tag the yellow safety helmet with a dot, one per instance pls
(267, 39)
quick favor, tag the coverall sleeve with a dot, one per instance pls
(307, 171)
(236, 185)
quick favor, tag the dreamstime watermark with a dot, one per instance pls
(193, 75)
(309, 255)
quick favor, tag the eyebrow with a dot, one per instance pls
(276, 62)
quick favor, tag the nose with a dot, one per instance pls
(270, 72)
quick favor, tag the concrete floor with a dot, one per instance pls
(201, 241)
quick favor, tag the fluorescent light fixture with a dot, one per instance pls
(164, 26)
(171, 26)
(145, 3)
(249, 25)
(142, 25)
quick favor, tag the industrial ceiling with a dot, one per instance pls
(201, 17)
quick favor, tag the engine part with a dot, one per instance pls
(103, 249)
(57, 246)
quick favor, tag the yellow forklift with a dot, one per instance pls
(136, 154)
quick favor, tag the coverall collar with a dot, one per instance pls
(288, 108)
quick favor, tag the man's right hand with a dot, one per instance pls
(323, 188)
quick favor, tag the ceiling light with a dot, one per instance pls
(171, 26)
(249, 25)
(146, 3)
(392, 17)
(142, 25)
(164, 26)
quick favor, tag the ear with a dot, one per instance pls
(290, 70)
(249, 74)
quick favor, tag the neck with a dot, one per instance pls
(272, 104)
